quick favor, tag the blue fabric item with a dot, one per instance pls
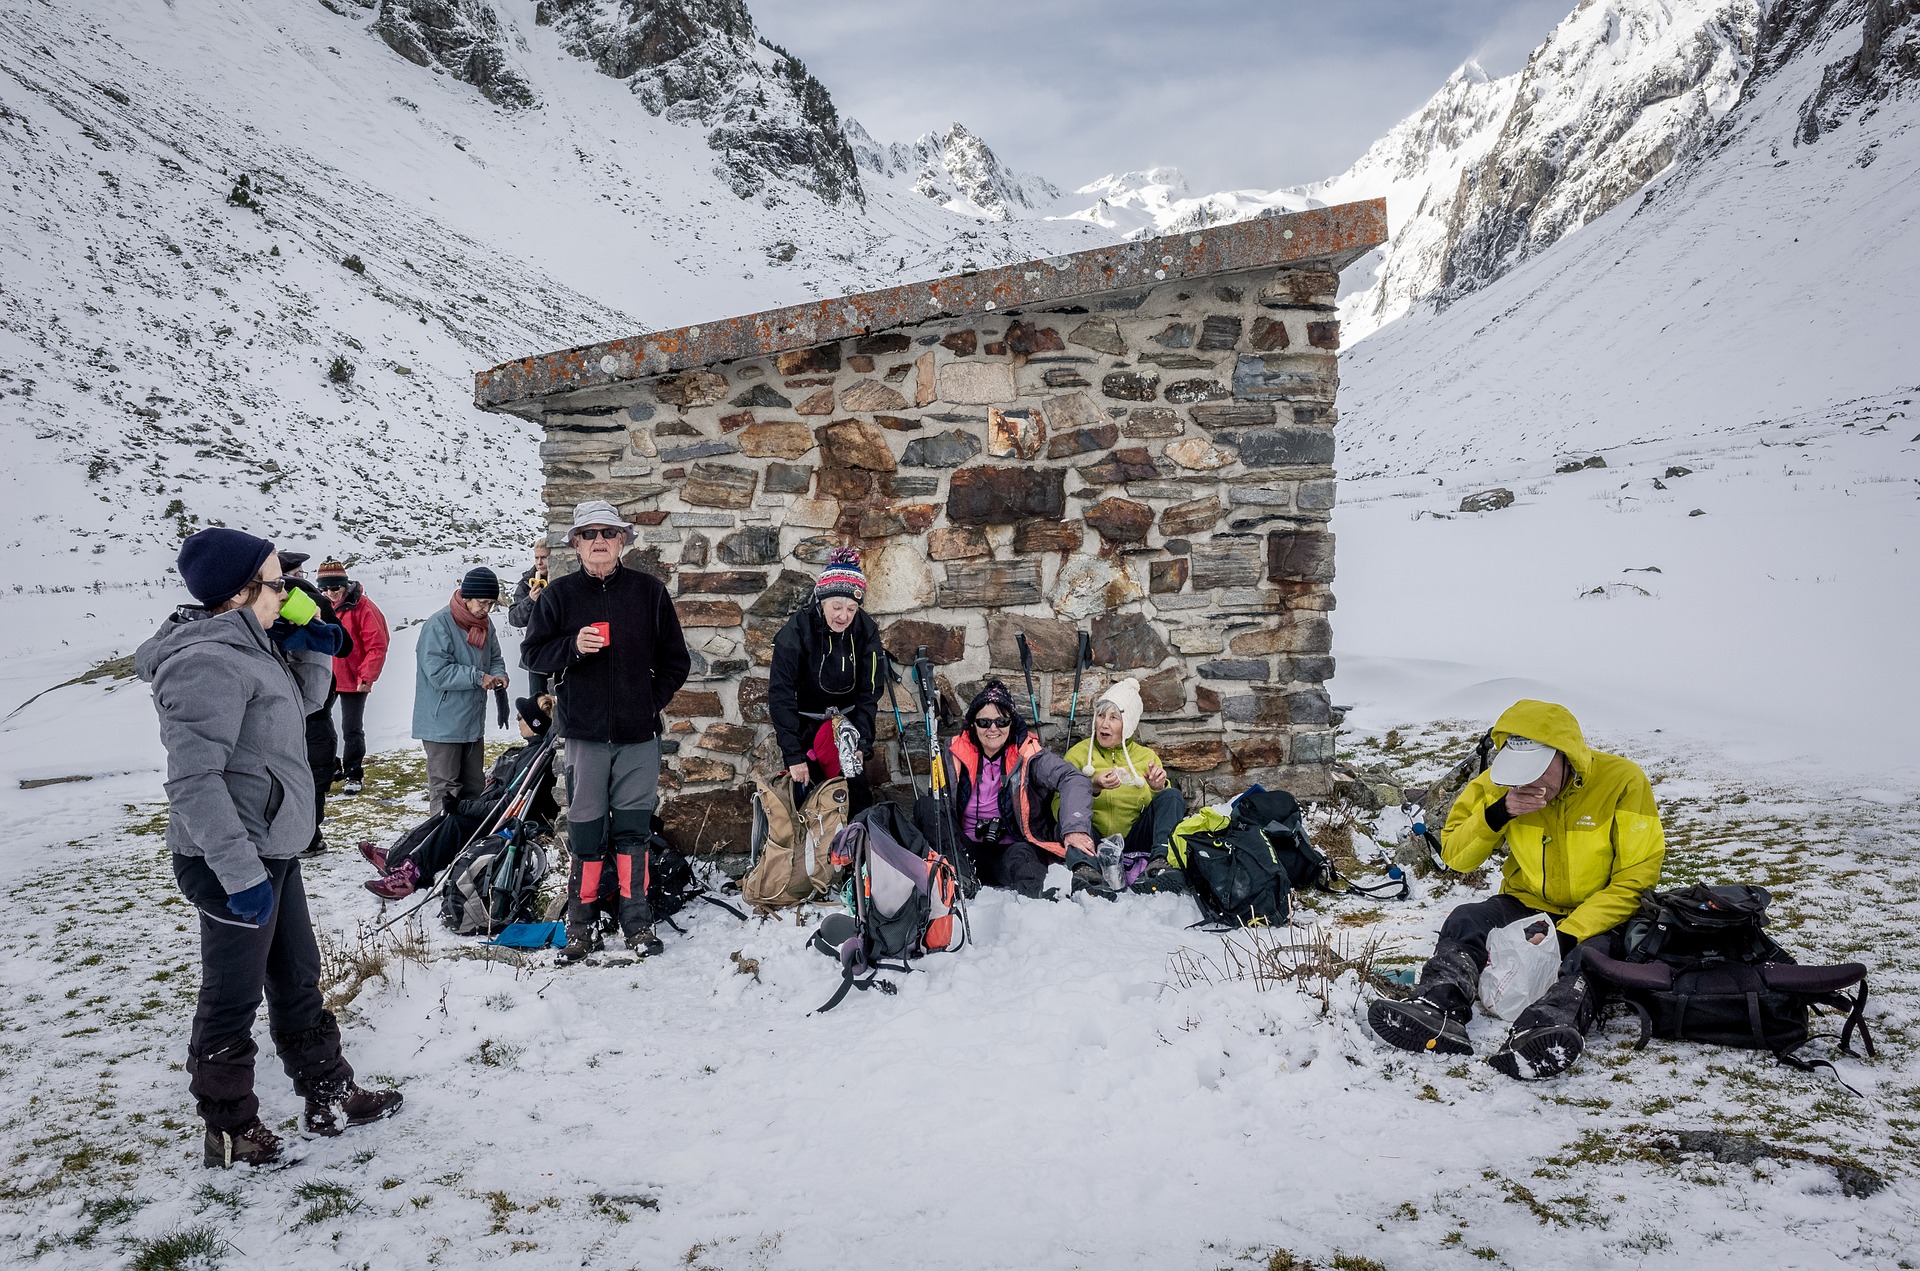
(216, 564)
(448, 702)
(532, 935)
(315, 637)
(253, 905)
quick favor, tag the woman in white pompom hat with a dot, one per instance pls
(1132, 797)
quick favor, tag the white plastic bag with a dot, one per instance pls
(1519, 971)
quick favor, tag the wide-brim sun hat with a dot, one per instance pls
(1522, 761)
(595, 513)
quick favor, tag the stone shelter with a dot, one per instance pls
(1137, 438)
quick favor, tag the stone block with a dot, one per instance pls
(815, 549)
(924, 393)
(694, 704)
(1015, 434)
(1099, 334)
(1024, 339)
(1057, 693)
(854, 443)
(983, 584)
(1309, 633)
(765, 395)
(1266, 496)
(1130, 386)
(823, 359)
(1053, 643)
(1198, 641)
(790, 589)
(898, 423)
(702, 520)
(1130, 464)
(1049, 536)
(819, 402)
(1201, 455)
(1176, 335)
(1284, 376)
(709, 822)
(708, 613)
(788, 478)
(1003, 496)
(1219, 331)
(775, 439)
(1179, 361)
(1269, 335)
(1123, 641)
(694, 550)
(868, 396)
(1206, 701)
(1236, 669)
(1120, 520)
(1285, 446)
(1082, 441)
(1232, 414)
(1300, 289)
(958, 542)
(813, 514)
(1163, 692)
(976, 383)
(726, 582)
(728, 739)
(1070, 411)
(899, 579)
(849, 485)
(961, 343)
(1324, 335)
(690, 388)
(1228, 562)
(860, 362)
(1299, 555)
(1316, 496)
(718, 485)
(1092, 585)
(884, 343)
(1167, 576)
(755, 545)
(1153, 421)
(1256, 754)
(1314, 748)
(705, 448)
(1196, 516)
(1201, 754)
(1064, 377)
(752, 700)
(1188, 392)
(913, 487)
(945, 644)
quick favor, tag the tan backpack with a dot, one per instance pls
(792, 864)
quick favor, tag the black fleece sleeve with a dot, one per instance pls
(1497, 814)
(783, 696)
(671, 662)
(548, 645)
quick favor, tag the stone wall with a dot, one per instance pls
(1155, 464)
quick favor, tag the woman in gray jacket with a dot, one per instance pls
(455, 664)
(233, 681)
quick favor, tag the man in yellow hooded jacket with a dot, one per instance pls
(1584, 843)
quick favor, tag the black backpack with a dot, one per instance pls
(494, 882)
(903, 901)
(1244, 875)
(1699, 966)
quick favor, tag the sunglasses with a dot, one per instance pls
(277, 586)
(333, 586)
(992, 721)
(602, 532)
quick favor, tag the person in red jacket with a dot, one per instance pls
(353, 675)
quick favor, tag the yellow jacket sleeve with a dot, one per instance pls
(1639, 850)
(1466, 842)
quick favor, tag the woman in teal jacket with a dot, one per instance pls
(457, 661)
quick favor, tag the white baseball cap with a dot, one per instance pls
(1521, 762)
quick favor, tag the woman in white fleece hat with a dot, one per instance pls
(1132, 797)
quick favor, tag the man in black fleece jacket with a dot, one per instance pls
(611, 638)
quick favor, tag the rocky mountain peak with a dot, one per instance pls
(956, 169)
(464, 38)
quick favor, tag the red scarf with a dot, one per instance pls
(476, 628)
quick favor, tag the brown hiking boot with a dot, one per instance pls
(252, 1144)
(362, 1107)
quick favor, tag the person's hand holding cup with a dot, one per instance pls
(594, 637)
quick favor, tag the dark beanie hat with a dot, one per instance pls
(537, 719)
(480, 583)
(217, 564)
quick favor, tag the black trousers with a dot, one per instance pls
(1017, 864)
(353, 736)
(321, 744)
(1152, 830)
(239, 963)
(1451, 978)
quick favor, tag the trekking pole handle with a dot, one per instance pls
(923, 677)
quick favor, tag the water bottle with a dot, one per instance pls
(1109, 854)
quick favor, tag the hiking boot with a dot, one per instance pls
(376, 856)
(362, 1107)
(644, 943)
(579, 942)
(1088, 878)
(396, 884)
(316, 847)
(1418, 1025)
(352, 786)
(251, 1144)
(1534, 1054)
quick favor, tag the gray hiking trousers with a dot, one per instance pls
(603, 777)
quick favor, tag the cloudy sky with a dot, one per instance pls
(1235, 93)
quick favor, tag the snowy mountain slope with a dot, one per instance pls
(164, 346)
(1489, 171)
(956, 170)
(1767, 278)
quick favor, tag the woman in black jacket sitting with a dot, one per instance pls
(827, 658)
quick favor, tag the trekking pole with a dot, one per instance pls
(1026, 669)
(899, 729)
(1082, 659)
(946, 830)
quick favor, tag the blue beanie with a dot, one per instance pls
(480, 583)
(217, 564)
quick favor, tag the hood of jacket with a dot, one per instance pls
(190, 625)
(1549, 723)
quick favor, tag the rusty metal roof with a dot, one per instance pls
(1333, 235)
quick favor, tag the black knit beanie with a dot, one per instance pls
(480, 583)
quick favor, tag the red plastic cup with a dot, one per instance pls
(604, 630)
